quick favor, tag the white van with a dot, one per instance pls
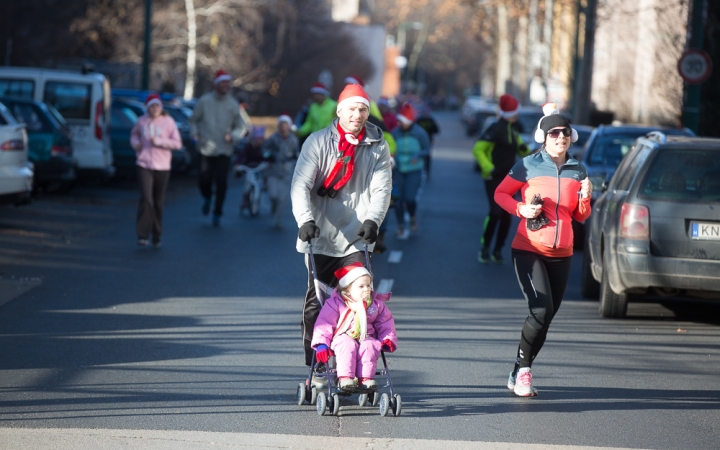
(84, 101)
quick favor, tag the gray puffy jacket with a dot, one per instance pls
(365, 197)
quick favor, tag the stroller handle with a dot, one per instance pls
(312, 259)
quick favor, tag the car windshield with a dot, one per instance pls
(610, 150)
(57, 116)
(684, 175)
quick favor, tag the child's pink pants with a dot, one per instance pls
(354, 358)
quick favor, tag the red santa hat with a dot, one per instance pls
(353, 93)
(153, 99)
(319, 88)
(346, 275)
(284, 117)
(407, 114)
(354, 79)
(508, 106)
(221, 75)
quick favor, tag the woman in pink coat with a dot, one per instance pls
(153, 137)
(355, 324)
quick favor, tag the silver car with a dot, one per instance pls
(656, 228)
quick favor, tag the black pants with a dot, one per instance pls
(153, 185)
(214, 170)
(543, 281)
(326, 267)
(496, 218)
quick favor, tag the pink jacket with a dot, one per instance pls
(167, 139)
(380, 322)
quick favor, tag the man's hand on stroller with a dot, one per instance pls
(322, 353)
(308, 231)
(368, 232)
(388, 346)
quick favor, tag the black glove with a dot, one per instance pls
(539, 221)
(368, 232)
(308, 231)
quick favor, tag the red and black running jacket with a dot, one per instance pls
(559, 188)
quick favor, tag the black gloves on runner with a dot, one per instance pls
(308, 230)
(368, 232)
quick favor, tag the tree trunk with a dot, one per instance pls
(503, 52)
(190, 66)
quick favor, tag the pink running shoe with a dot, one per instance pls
(523, 383)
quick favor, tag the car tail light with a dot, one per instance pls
(634, 221)
(60, 150)
(15, 144)
(99, 119)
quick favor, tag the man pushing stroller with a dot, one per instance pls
(340, 194)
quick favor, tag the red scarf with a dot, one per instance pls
(347, 145)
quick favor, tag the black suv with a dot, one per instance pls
(656, 227)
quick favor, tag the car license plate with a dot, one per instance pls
(705, 230)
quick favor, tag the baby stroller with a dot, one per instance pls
(329, 403)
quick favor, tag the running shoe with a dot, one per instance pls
(156, 243)
(523, 383)
(318, 379)
(497, 257)
(413, 225)
(484, 255)
(142, 242)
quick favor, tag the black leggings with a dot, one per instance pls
(496, 218)
(543, 281)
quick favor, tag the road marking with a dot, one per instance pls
(395, 256)
(386, 285)
(71, 439)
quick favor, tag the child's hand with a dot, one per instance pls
(388, 346)
(322, 353)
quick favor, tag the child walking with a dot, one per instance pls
(355, 325)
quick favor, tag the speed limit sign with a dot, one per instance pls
(695, 66)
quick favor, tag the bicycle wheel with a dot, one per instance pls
(254, 197)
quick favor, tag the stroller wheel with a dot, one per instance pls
(313, 395)
(374, 398)
(384, 404)
(321, 403)
(362, 399)
(335, 404)
(396, 404)
(301, 394)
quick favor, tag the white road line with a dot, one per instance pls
(395, 256)
(386, 285)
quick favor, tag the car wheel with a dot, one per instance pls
(611, 304)
(589, 287)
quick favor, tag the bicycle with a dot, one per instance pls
(253, 187)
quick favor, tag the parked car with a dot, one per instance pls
(475, 103)
(656, 228)
(122, 119)
(188, 156)
(126, 110)
(605, 148)
(83, 99)
(49, 142)
(16, 175)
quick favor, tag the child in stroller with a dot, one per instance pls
(355, 325)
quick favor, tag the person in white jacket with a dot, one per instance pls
(340, 194)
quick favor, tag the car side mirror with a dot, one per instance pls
(604, 186)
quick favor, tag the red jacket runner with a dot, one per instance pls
(559, 188)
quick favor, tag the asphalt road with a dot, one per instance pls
(103, 344)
